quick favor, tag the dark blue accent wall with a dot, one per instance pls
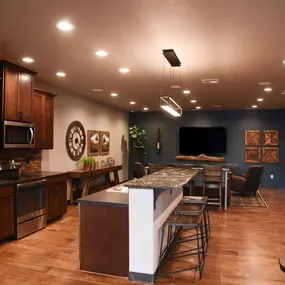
(236, 122)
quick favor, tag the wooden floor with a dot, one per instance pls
(244, 249)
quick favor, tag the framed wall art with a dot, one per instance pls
(93, 142)
(270, 154)
(252, 137)
(252, 154)
(104, 148)
(270, 137)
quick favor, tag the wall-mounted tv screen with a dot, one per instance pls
(194, 140)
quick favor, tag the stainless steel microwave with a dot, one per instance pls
(18, 135)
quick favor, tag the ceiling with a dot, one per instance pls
(240, 42)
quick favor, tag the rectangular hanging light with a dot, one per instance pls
(170, 106)
(171, 57)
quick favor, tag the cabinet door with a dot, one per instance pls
(6, 213)
(38, 119)
(56, 197)
(25, 96)
(48, 123)
(11, 95)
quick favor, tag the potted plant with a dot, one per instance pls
(88, 162)
(138, 143)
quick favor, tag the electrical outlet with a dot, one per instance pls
(271, 176)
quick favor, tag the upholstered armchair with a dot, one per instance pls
(249, 182)
(139, 170)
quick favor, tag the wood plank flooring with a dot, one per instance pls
(245, 246)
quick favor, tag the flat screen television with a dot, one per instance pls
(193, 140)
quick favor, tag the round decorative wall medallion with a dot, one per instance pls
(75, 140)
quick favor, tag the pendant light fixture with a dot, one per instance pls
(167, 103)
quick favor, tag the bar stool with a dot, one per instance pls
(213, 177)
(194, 209)
(196, 200)
(179, 221)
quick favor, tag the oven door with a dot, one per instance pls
(18, 135)
(31, 200)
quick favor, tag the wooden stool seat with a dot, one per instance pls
(183, 220)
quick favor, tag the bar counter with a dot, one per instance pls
(120, 227)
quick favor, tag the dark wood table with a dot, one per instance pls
(88, 175)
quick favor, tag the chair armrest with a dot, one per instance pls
(237, 183)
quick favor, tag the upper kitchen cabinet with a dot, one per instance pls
(43, 118)
(17, 89)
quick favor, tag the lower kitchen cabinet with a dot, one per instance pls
(56, 197)
(6, 212)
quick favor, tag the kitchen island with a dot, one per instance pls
(120, 227)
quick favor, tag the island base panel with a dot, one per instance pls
(104, 239)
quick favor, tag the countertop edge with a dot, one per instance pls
(111, 204)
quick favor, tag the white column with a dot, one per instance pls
(145, 224)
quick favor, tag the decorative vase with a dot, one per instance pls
(86, 166)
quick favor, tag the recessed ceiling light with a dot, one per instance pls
(101, 53)
(198, 107)
(97, 90)
(283, 61)
(264, 83)
(114, 94)
(145, 109)
(132, 111)
(186, 92)
(260, 99)
(267, 89)
(175, 86)
(193, 101)
(132, 103)
(60, 74)
(27, 59)
(124, 70)
(254, 106)
(283, 92)
(216, 106)
(65, 26)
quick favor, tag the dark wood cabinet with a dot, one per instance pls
(6, 212)
(26, 85)
(11, 94)
(43, 116)
(17, 92)
(56, 197)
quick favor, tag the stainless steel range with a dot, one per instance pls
(30, 207)
(30, 199)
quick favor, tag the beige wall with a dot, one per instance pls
(69, 107)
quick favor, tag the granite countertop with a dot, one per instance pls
(6, 182)
(38, 175)
(14, 178)
(113, 196)
(168, 178)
